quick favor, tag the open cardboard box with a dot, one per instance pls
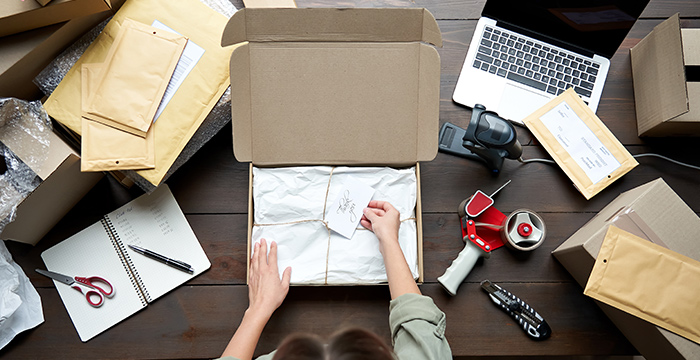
(62, 186)
(335, 87)
(21, 15)
(651, 211)
(666, 74)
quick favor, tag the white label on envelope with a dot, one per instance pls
(344, 214)
(578, 140)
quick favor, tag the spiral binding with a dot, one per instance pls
(136, 281)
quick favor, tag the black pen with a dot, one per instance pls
(165, 260)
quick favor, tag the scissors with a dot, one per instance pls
(95, 294)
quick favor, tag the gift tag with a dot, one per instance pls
(344, 214)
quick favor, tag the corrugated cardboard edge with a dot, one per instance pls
(16, 80)
(428, 103)
(658, 72)
(419, 225)
(50, 14)
(419, 231)
(302, 24)
(242, 130)
(61, 191)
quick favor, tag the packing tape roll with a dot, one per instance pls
(523, 230)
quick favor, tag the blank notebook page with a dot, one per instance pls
(91, 253)
(155, 222)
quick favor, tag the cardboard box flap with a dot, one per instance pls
(299, 109)
(691, 46)
(327, 103)
(332, 25)
(660, 92)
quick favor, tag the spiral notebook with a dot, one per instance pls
(154, 222)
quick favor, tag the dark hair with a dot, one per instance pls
(351, 344)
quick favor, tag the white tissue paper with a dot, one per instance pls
(20, 305)
(289, 206)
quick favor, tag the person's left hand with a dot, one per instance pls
(265, 289)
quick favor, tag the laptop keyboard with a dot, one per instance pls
(535, 64)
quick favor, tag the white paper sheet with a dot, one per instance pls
(189, 58)
(20, 305)
(579, 141)
(289, 208)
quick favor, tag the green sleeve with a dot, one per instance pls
(418, 328)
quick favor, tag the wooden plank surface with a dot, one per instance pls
(197, 319)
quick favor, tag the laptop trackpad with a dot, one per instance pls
(517, 103)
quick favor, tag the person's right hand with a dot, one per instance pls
(383, 219)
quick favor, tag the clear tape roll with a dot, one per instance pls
(523, 230)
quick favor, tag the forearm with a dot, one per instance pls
(397, 271)
(245, 339)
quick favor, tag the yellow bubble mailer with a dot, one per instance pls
(648, 281)
(104, 148)
(192, 102)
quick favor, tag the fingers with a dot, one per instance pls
(287, 276)
(254, 260)
(370, 215)
(262, 256)
(383, 205)
(272, 257)
(366, 223)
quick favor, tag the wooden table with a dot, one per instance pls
(197, 319)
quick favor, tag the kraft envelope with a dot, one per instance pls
(579, 142)
(104, 148)
(192, 102)
(135, 74)
(648, 281)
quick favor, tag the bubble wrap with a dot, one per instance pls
(24, 127)
(49, 78)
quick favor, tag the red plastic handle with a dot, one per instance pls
(90, 294)
(91, 280)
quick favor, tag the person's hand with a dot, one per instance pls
(265, 289)
(383, 219)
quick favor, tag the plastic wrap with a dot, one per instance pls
(24, 144)
(220, 115)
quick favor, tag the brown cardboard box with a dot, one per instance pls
(62, 187)
(666, 99)
(23, 56)
(652, 211)
(17, 16)
(335, 87)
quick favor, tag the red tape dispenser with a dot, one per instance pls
(522, 230)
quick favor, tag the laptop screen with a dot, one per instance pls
(596, 26)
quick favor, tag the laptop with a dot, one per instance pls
(526, 52)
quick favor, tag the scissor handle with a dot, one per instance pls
(90, 295)
(90, 282)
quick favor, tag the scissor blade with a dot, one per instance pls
(56, 276)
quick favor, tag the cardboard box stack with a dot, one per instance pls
(335, 87)
(651, 211)
(31, 36)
